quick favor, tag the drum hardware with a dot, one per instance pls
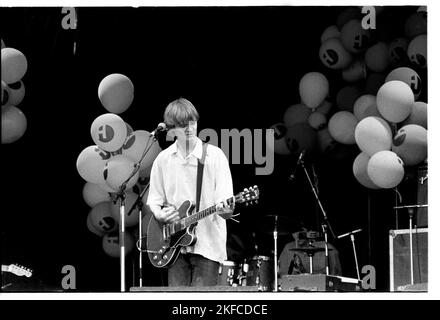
(310, 251)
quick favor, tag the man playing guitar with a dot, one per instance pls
(173, 181)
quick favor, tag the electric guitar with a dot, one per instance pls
(164, 240)
(17, 270)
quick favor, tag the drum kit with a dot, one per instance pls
(260, 270)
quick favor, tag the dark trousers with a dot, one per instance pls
(193, 270)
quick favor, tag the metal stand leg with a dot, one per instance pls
(275, 261)
(355, 256)
(122, 241)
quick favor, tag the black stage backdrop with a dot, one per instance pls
(240, 66)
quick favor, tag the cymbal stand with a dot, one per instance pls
(122, 195)
(325, 223)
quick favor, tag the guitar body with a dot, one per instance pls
(163, 251)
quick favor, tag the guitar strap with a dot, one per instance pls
(200, 167)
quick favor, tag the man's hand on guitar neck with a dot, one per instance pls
(224, 210)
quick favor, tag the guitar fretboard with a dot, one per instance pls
(186, 222)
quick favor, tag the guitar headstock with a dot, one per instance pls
(19, 270)
(248, 195)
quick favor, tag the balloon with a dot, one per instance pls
(341, 127)
(6, 94)
(377, 57)
(355, 38)
(136, 144)
(395, 100)
(101, 218)
(347, 96)
(92, 228)
(418, 115)
(411, 144)
(346, 15)
(409, 76)
(355, 72)
(324, 107)
(280, 144)
(116, 93)
(317, 120)
(326, 143)
(14, 65)
(14, 124)
(90, 164)
(131, 217)
(365, 106)
(109, 132)
(301, 137)
(110, 244)
(416, 24)
(360, 171)
(94, 194)
(117, 170)
(385, 169)
(333, 54)
(313, 88)
(374, 82)
(330, 32)
(397, 51)
(417, 51)
(423, 9)
(373, 134)
(17, 92)
(297, 113)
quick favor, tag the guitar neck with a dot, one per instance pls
(192, 219)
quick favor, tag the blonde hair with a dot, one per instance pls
(179, 113)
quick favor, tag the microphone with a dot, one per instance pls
(160, 127)
(301, 156)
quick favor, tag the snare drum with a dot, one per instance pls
(228, 272)
(260, 273)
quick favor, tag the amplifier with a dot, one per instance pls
(400, 262)
(319, 282)
(196, 289)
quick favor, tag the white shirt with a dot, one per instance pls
(173, 180)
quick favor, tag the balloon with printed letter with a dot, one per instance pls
(90, 164)
(317, 121)
(116, 93)
(418, 51)
(92, 229)
(101, 217)
(301, 136)
(110, 244)
(313, 88)
(137, 143)
(397, 52)
(109, 132)
(333, 54)
(411, 144)
(354, 37)
(385, 169)
(280, 144)
(6, 94)
(409, 76)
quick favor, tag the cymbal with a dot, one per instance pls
(281, 224)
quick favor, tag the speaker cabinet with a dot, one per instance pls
(400, 262)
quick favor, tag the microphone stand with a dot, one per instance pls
(325, 223)
(351, 234)
(122, 195)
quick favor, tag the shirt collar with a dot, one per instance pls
(197, 151)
